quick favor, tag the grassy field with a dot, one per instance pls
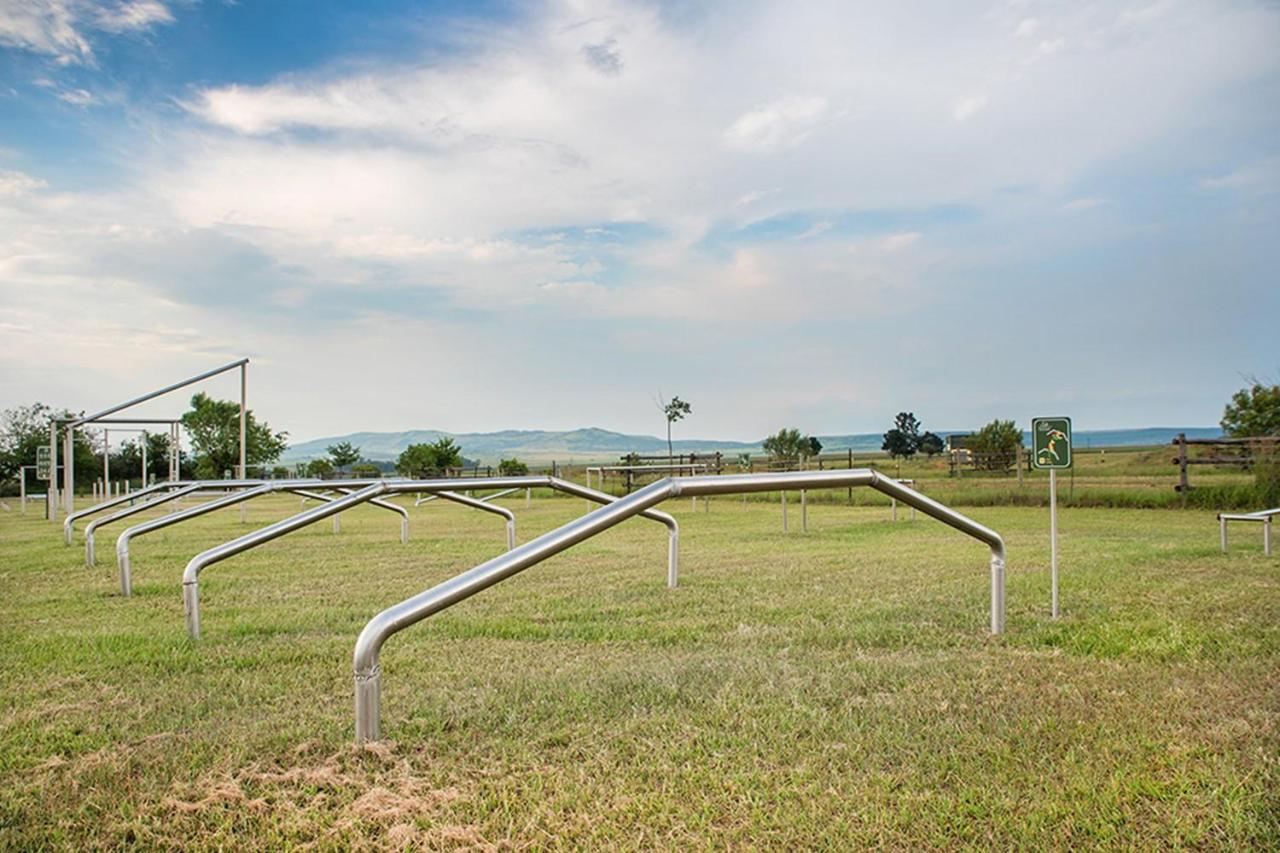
(832, 689)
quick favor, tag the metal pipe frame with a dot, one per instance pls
(463, 586)
(1264, 516)
(294, 487)
(486, 498)
(90, 556)
(68, 473)
(194, 485)
(68, 523)
(198, 563)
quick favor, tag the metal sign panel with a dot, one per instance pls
(1051, 442)
(42, 462)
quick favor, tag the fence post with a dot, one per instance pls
(1183, 485)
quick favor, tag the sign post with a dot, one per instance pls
(1051, 450)
(42, 463)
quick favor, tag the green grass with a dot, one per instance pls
(831, 689)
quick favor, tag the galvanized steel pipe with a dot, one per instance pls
(443, 595)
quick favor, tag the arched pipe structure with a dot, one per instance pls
(485, 499)
(68, 523)
(191, 486)
(126, 537)
(441, 596)
(198, 563)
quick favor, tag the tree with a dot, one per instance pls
(1253, 411)
(996, 445)
(429, 460)
(25, 428)
(343, 454)
(512, 468)
(815, 446)
(788, 446)
(903, 440)
(366, 470)
(214, 427)
(931, 445)
(319, 468)
(675, 411)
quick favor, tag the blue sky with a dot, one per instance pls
(492, 215)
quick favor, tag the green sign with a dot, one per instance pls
(1051, 442)
(42, 462)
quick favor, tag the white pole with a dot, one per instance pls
(22, 489)
(106, 454)
(244, 386)
(804, 511)
(784, 512)
(68, 470)
(51, 493)
(1053, 536)
(144, 459)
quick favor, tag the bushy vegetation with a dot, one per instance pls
(425, 460)
(213, 427)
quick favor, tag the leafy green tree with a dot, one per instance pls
(366, 470)
(279, 472)
(512, 468)
(214, 427)
(676, 410)
(903, 440)
(814, 448)
(788, 446)
(25, 428)
(931, 445)
(344, 454)
(996, 445)
(1253, 411)
(429, 460)
(320, 468)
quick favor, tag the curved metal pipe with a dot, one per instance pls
(388, 505)
(190, 576)
(89, 556)
(68, 529)
(450, 592)
(476, 503)
(272, 487)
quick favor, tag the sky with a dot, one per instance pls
(484, 216)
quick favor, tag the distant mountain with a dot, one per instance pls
(593, 443)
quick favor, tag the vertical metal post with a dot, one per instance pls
(804, 511)
(52, 491)
(1222, 533)
(244, 386)
(1053, 536)
(528, 498)
(144, 459)
(784, 512)
(68, 470)
(1183, 485)
(894, 503)
(22, 489)
(1266, 536)
(106, 454)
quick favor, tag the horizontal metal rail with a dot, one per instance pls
(1263, 516)
(463, 586)
(68, 523)
(191, 575)
(195, 488)
(297, 487)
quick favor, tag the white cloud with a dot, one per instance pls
(62, 29)
(783, 123)
(134, 15)
(18, 183)
(967, 107)
(78, 97)
(1260, 178)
